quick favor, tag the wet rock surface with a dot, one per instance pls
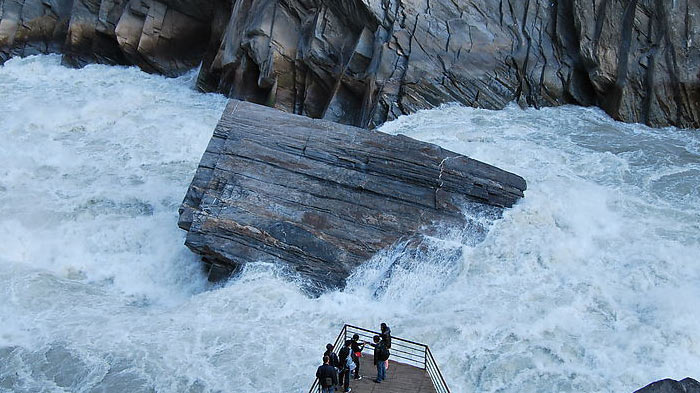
(687, 385)
(364, 62)
(166, 37)
(321, 197)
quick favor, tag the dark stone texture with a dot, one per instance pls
(30, 27)
(168, 37)
(687, 385)
(91, 34)
(160, 38)
(322, 197)
(362, 62)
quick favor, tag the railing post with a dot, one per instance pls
(425, 359)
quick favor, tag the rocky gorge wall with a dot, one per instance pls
(362, 62)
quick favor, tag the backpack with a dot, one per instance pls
(327, 382)
(383, 354)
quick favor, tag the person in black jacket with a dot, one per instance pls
(357, 348)
(343, 356)
(381, 355)
(386, 335)
(335, 362)
(327, 376)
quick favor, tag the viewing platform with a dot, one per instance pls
(412, 367)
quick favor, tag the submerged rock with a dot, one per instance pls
(687, 385)
(364, 62)
(321, 197)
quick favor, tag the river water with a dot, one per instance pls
(589, 284)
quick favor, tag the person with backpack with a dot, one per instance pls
(327, 376)
(386, 337)
(381, 355)
(356, 354)
(346, 365)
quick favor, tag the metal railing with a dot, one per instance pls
(402, 350)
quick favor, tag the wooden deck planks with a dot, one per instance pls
(400, 378)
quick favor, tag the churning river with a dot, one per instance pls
(591, 283)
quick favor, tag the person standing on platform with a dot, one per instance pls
(381, 355)
(357, 348)
(335, 362)
(345, 358)
(327, 376)
(386, 335)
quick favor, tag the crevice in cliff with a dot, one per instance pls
(524, 86)
(672, 64)
(406, 56)
(655, 34)
(613, 101)
(600, 15)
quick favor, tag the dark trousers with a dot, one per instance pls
(381, 371)
(344, 379)
(357, 365)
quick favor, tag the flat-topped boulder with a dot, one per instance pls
(322, 197)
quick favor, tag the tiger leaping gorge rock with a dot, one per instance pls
(362, 62)
(322, 197)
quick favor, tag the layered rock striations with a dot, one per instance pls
(362, 62)
(320, 197)
(168, 37)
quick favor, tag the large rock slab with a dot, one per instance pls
(321, 197)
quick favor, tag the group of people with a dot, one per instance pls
(337, 368)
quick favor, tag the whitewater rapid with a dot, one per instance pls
(590, 284)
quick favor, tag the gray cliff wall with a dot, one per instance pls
(362, 62)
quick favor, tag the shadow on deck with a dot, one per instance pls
(400, 378)
(412, 368)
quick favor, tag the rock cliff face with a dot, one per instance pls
(362, 62)
(320, 197)
(167, 37)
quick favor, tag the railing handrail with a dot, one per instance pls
(425, 358)
(379, 333)
(442, 379)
